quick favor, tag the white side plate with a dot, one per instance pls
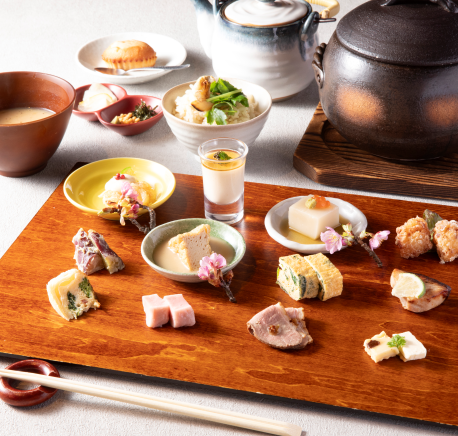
(279, 212)
(168, 51)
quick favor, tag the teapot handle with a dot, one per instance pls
(317, 64)
(332, 7)
(447, 5)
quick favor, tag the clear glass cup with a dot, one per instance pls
(223, 179)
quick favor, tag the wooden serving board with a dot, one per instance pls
(218, 350)
(324, 156)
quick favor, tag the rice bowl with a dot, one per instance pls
(191, 135)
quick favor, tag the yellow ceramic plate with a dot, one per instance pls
(83, 187)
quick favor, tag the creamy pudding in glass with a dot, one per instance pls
(223, 171)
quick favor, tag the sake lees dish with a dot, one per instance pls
(222, 238)
(278, 226)
(192, 135)
(30, 104)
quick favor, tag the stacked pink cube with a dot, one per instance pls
(173, 307)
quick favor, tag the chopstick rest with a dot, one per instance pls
(30, 397)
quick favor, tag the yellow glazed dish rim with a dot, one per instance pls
(99, 172)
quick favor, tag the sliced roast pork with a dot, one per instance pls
(87, 256)
(436, 293)
(111, 260)
(298, 319)
(274, 327)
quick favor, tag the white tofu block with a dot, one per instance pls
(311, 222)
(381, 350)
(413, 349)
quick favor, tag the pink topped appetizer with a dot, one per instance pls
(156, 309)
(92, 253)
(181, 313)
(280, 328)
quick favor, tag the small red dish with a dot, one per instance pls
(31, 397)
(126, 105)
(91, 116)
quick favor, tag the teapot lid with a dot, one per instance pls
(264, 13)
(403, 32)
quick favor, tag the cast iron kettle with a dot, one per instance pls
(388, 78)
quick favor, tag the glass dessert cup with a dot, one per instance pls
(223, 179)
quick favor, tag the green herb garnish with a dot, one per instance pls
(224, 97)
(86, 287)
(397, 341)
(144, 111)
(431, 219)
(125, 170)
(221, 155)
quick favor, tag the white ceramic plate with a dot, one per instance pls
(279, 212)
(169, 52)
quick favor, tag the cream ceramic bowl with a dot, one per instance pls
(169, 230)
(279, 213)
(193, 135)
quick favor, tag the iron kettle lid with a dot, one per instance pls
(403, 32)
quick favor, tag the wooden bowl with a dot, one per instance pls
(26, 148)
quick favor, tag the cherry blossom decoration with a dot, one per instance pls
(211, 270)
(335, 242)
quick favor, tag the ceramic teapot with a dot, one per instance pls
(388, 78)
(267, 42)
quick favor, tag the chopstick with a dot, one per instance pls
(195, 411)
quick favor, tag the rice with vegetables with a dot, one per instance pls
(227, 104)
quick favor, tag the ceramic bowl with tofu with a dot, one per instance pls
(278, 226)
(220, 233)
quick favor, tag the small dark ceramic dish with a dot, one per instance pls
(26, 148)
(30, 397)
(125, 104)
(118, 91)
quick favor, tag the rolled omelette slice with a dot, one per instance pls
(330, 278)
(71, 294)
(297, 278)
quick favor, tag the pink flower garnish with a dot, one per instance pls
(211, 270)
(378, 238)
(332, 240)
(128, 192)
(217, 260)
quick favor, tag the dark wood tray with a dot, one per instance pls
(218, 350)
(324, 156)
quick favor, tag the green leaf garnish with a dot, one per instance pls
(125, 170)
(216, 115)
(431, 219)
(397, 341)
(224, 96)
(144, 111)
(221, 155)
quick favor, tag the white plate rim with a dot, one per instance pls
(126, 79)
(309, 248)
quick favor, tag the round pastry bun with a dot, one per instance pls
(129, 54)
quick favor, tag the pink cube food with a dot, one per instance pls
(156, 309)
(181, 313)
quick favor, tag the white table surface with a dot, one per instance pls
(44, 35)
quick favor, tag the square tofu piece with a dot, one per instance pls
(181, 313)
(191, 247)
(413, 349)
(156, 309)
(377, 347)
(311, 222)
